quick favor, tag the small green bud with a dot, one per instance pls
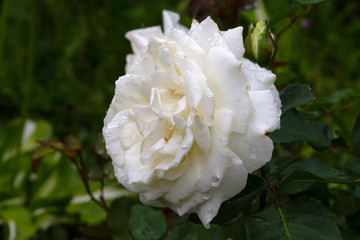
(259, 44)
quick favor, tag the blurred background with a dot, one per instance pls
(59, 61)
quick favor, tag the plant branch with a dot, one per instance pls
(82, 169)
(293, 20)
(102, 199)
(344, 150)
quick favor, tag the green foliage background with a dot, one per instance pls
(58, 64)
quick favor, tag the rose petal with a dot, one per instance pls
(186, 46)
(207, 34)
(120, 134)
(201, 132)
(196, 88)
(142, 67)
(234, 40)
(227, 174)
(229, 84)
(266, 117)
(253, 155)
(192, 89)
(139, 38)
(122, 100)
(259, 78)
(171, 20)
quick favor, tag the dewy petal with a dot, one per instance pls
(187, 45)
(165, 59)
(207, 34)
(154, 192)
(171, 20)
(182, 149)
(172, 145)
(234, 40)
(265, 118)
(153, 151)
(120, 134)
(145, 119)
(262, 79)
(122, 100)
(254, 150)
(187, 184)
(180, 113)
(196, 87)
(201, 132)
(192, 89)
(229, 85)
(254, 147)
(225, 173)
(139, 38)
(259, 78)
(160, 79)
(142, 67)
(135, 170)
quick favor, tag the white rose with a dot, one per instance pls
(188, 120)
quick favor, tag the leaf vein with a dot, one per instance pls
(284, 223)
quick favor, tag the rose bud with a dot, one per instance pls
(259, 44)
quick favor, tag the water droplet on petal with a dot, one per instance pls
(206, 197)
(215, 181)
(252, 153)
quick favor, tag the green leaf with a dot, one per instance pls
(296, 187)
(278, 163)
(89, 212)
(310, 1)
(231, 208)
(353, 167)
(296, 128)
(117, 221)
(191, 231)
(19, 222)
(356, 133)
(45, 149)
(295, 95)
(39, 154)
(315, 170)
(343, 203)
(339, 96)
(304, 218)
(38, 130)
(146, 223)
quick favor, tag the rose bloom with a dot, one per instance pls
(189, 119)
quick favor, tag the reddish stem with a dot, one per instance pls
(292, 22)
(83, 174)
(344, 150)
(273, 190)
